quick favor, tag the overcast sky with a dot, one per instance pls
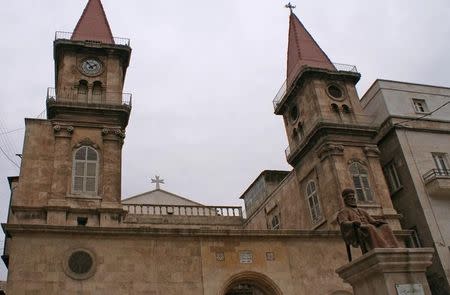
(203, 75)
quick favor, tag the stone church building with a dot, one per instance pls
(69, 231)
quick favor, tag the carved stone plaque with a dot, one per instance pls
(270, 256)
(410, 289)
(245, 257)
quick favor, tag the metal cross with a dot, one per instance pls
(290, 6)
(157, 180)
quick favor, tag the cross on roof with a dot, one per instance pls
(157, 180)
(290, 6)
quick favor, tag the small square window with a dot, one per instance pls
(420, 106)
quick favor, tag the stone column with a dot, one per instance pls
(57, 207)
(112, 164)
(111, 211)
(389, 271)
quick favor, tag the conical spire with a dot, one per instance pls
(303, 50)
(93, 24)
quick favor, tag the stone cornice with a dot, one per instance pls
(12, 229)
(325, 129)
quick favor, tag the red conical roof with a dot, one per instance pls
(303, 50)
(93, 24)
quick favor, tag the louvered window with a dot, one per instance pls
(313, 202)
(85, 171)
(361, 182)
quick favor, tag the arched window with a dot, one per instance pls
(275, 222)
(313, 202)
(346, 109)
(82, 90)
(85, 165)
(361, 182)
(97, 92)
(335, 107)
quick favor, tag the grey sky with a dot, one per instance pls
(203, 75)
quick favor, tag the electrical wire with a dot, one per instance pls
(11, 131)
(7, 157)
(423, 116)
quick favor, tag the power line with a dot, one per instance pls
(425, 115)
(7, 157)
(11, 131)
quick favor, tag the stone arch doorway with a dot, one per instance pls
(250, 283)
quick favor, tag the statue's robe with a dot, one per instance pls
(373, 233)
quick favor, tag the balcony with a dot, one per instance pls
(340, 68)
(68, 36)
(437, 182)
(74, 96)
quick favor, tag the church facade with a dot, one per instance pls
(69, 232)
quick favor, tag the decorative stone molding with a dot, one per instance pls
(372, 151)
(113, 134)
(87, 142)
(63, 131)
(356, 160)
(330, 149)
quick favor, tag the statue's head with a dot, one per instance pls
(348, 195)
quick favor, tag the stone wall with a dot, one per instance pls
(145, 261)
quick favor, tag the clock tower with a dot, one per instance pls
(71, 168)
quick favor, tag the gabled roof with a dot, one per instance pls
(93, 24)
(303, 50)
(160, 197)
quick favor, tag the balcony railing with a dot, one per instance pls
(76, 96)
(436, 173)
(284, 88)
(68, 36)
(180, 210)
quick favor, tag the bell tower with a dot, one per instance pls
(331, 140)
(71, 167)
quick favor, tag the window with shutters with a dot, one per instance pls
(441, 162)
(85, 166)
(312, 199)
(361, 182)
(393, 181)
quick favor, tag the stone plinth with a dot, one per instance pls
(388, 271)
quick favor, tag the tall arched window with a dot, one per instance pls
(85, 165)
(361, 182)
(82, 90)
(97, 92)
(313, 201)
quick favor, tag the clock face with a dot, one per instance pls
(91, 67)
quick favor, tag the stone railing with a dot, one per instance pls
(180, 210)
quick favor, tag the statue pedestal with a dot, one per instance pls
(389, 271)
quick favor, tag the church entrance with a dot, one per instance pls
(250, 283)
(245, 289)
